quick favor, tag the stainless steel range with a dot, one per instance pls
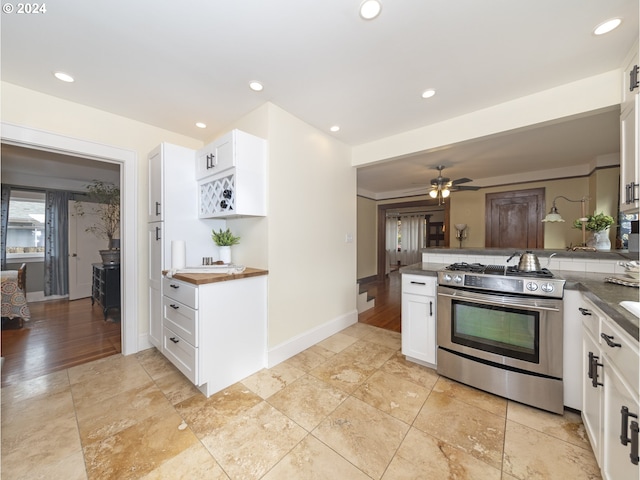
(501, 330)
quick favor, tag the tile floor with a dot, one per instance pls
(348, 408)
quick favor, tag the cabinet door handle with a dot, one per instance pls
(174, 339)
(210, 158)
(173, 285)
(584, 311)
(624, 424)
(157, 208)
(174, 306)
(431, 309)
(634, 443)
(417, 283)
(608, 339)
(158, 233)
(593, 370)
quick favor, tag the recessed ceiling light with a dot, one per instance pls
(255, 86)
(370, 9)
(65, 77)
(335, 128)
(428, 93)
(201, 125)
(606, 27)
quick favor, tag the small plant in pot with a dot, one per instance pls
(106, 197)
(224, 240)
(598, 224)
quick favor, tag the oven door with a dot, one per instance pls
(517, 332)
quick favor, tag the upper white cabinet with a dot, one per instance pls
(232, 176)
(629, 111)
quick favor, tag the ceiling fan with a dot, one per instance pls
(441, 187)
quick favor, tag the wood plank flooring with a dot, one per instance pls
(386, 313)
(60, 334)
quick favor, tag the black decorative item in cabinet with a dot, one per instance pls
(106, 286)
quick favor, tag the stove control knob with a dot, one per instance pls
(446, 277)
(532, 286)
(547, 287)
(457, 279)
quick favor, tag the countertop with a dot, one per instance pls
(616, 255)
(606, 296)
(204, 278)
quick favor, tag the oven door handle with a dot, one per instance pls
(488, 301)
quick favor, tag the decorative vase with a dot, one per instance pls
(600, 240)
(225, 254)
(110, 257)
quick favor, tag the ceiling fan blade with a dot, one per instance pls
(461, 180)
(464, 187)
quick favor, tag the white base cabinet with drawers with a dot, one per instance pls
(215, 333)
(419, 318)
(611, 405)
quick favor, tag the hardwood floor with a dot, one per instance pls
(386, 313)
(60, 334)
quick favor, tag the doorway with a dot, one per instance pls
(127, 160)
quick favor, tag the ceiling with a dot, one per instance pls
(171, 65)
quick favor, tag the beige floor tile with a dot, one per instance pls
(107, 417)
(36, 443)
(349, 368)
(67, 468)
(532, 455)
(310, 358)
(155, 363)
(469, 428)
(400, 367)
(91, 370)
(567, 427)
(268, 381)
(384, 337)
(313, 460)
(32, 411)
(140, 449)
(46, 384)
(176, 387)
(251, 444)
(363, 435)
(193, 463)
(399, 398)
(307, 401)
(205, 415)
(422, 456)
(338, 342)
(472, 396)
(358, 330)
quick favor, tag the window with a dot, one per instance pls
(25, 232)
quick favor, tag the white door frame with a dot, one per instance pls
(41, 140)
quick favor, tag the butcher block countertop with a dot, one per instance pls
(205, 278)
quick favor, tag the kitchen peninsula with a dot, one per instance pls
(215, 326)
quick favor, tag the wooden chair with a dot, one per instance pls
(22, 278)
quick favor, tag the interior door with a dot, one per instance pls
(514, 219)
(83, 250)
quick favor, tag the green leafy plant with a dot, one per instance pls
(107, 209)
(596, 222)
(224, 239)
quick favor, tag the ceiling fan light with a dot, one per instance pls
(433, 193)
(445, 193)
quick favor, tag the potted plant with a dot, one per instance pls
(224, 240)
(106, 197)
(598, 224)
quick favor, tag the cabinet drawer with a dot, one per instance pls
(181, 353)
(419, 285)
(182, 292)
(181, 319)
(625, 356)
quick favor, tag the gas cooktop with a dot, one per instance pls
(501, 279)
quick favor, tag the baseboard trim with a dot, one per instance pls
(297, 344)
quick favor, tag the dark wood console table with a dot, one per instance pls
(106, 286)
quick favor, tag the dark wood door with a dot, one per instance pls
(514, 219)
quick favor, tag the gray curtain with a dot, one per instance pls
(6, 194)
(56, 247)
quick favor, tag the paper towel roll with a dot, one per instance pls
(178, 254)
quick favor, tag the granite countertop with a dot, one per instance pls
(204, 278)
(606, 296)
(615, 255)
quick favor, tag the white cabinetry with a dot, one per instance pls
(629, 111)
(172, 215)
(419, 318)
(611, 405)
(215, 333)
(232, 177)
(572, 350)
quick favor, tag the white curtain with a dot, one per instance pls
(412, 238)
(391, 242)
